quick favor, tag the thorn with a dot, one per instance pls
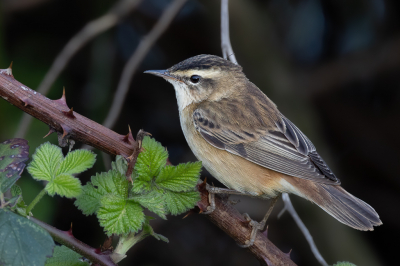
(27, 101)
(288, 254)
(70, 113)
(7, 71)
(69, 232)
(51, 131)
(189, 213)
(62, 100)
(128, 138)
(66, 130)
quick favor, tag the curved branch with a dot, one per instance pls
(67, 239)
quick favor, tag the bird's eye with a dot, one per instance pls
(195, 79)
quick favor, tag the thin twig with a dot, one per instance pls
(144, 46)
(226, 45)
(289, 207)
(91, 30)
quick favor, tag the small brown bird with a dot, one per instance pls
(247, 144)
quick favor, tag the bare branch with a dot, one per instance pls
(144, 46)
(91, 30)
(226, 45)
(289, 207)
(67, 239)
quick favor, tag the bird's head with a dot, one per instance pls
(201, 78)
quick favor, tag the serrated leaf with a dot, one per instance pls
(179, 202)
(64, 185)
(89, 200)
(111, 182)
(150, 161)
(141, 186)
(153, 201)
(20, 205)
(45, 161)
(119, 164)
(120, 216)
(182, 177)
(64, 256)
(22, 241)
(13, 154)
(76, 162)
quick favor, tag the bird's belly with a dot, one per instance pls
(232, 170)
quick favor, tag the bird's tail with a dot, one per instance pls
(340, 204)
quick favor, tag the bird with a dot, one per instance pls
(245, 142)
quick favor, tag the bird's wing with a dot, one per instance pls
(271, 141)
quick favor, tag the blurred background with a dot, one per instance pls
(332, 67)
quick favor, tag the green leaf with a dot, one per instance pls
(120, 164)
(179, 202)
(344, 263)
(76, 162)
(13, 154)
(64, 256)
(153, 201)
(111, 182)
(182, 177)
(22, 241)
(64, 185)
(20, 206)
(120, 216)
(46, 160)
(7, 180)
(150, 161)
(89, 201)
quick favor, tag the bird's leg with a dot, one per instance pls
(258, 226)
(216, 190)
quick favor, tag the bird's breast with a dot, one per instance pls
(231, 170)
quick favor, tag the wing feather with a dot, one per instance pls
(275, 142)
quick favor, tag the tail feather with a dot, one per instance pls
(337, 202)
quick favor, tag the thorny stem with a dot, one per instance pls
(36, 200)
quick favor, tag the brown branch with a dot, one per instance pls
(67, 239)
(55, 114)
(85, 130)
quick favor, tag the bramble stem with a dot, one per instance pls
(35, 200)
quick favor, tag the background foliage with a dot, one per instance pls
(324, 63)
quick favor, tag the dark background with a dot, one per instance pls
(332, 67)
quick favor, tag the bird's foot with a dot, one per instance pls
(211, 199)
(256, 226)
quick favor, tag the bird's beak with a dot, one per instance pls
(161, 73)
